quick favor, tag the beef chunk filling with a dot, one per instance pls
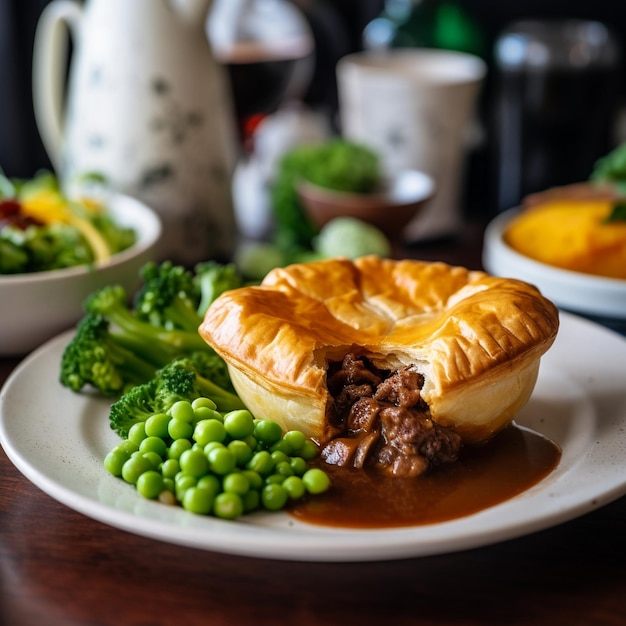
(381, 420)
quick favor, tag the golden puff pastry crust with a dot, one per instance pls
(476, 339)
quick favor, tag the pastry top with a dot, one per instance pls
(453, 324)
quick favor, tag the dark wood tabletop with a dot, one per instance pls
(60, 568)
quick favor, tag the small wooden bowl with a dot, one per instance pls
(391, 208)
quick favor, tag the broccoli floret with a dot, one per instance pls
(135, 405)
(97, 357)
(179, 380)
(174, 297)
(113, 349)
(168, 297)
(210, 365)
(212, 279)
(117, 346)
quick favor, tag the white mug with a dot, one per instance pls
(415, 108)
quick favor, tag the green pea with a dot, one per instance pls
(228, 505)
(182, 483)
(115, 459)
(261, 462)
(211, 483)
(170, 468)
(239, 424)
(255, 479)
(135, 467)
(182, 410)
(284, 469)
(241, 450)
(137, 432)
(251, 442)
(183, 478)
(275, 479)
(153, 457)
(211, 445)
(177, 448)
(198, 500)
(283, 446)
(153, 444)
(298, 465)
(221, 461)
(179, 429)
(209, 430)
(316, 480)
(206, 413)
(128, 445)
(236, 482)
(295, 439)
(268, 432)
(295, 487)
(278, 456)
(274, 497)
(156, 425)
(203, 403)
(194, 462)
(308, 451)
(150, 484)
(251, 501)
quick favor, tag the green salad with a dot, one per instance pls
(42, 229)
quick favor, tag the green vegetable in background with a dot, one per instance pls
(341, 237)
(618, 213)
(336, 164)
(352, 238)
(611, 168)
(41, 229)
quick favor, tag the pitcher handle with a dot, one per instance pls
(58, 20)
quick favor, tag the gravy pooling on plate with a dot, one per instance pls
(483, 476)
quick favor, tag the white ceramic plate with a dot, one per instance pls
(574, 291)
(58, 440)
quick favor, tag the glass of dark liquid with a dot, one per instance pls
(557, 85)
(267, 50)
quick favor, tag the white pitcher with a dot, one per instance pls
(147, 107)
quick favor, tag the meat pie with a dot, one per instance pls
(393, 363)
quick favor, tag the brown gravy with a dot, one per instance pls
(483, 476)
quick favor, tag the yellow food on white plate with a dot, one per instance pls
(399, 360)
(572, 234)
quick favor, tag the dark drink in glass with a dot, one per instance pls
(260, 77)
(557, 87)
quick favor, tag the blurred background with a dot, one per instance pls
(338, 28)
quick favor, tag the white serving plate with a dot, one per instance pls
(58, 440)
(574, 291)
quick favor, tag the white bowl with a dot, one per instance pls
(37, 306)
(586, 294)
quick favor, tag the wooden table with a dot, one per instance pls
(60, 568)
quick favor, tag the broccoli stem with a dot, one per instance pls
(225, 400)
(152, 341)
